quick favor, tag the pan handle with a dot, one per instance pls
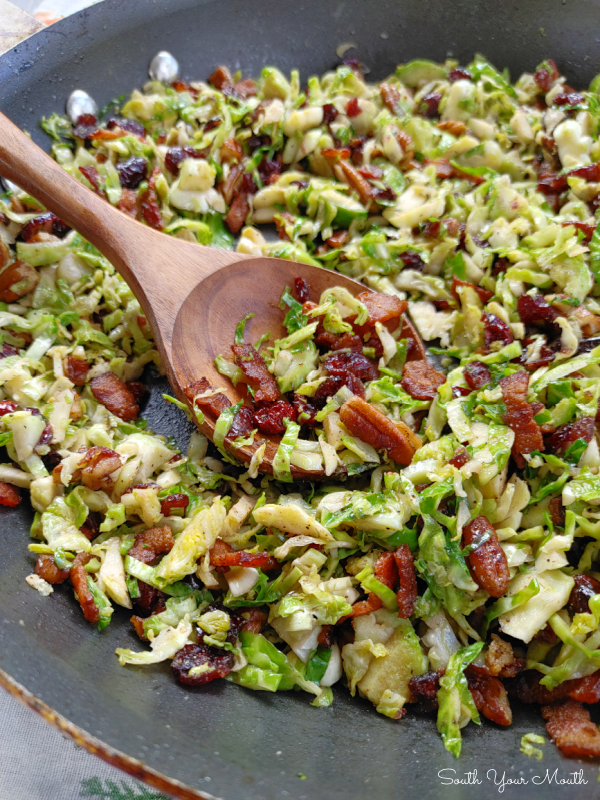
(15, 25)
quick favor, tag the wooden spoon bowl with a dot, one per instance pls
(193, 296)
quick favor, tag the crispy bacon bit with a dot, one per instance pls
(390, 96)
(550, 183)
(490, 697)
(17, 280)
(484, 294)
(519, 416)
(583, 591)
(488, 562)
(557, 512)
(269, 418)
(96, 467)
(356, 181)
(76, 370)
(150, 600)
(381, 308)
(371, 173)
(223, 555)
(9, 495)
(93, 176)
(221, 79)
(91, 525)
(571, 729)
(152, 543)
(546, 74)
(500, 658)
(407, 593)
(421, 380)
(128, 203)
(326, 636)
(585, 228)
(47, 223)
(585, 690)
(255, 370)
(257, 619)
(477, 375)
(243, 423)
(231, 151)
(344, 341)
(213, 404)
(149, 203)
(110, 390)
(46, 568)
(370, 425)
(386, 572)
(353, 363)
(495, 330)
(177, 500)
(565, 435)
(78, 577)
(301, 290)
(210, 663)
(334, 154)
(245, 88)
(238, 211)
(330, 112)
(460, 457)
(424, 688)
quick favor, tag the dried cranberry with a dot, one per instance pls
(302, 290)
(243, 423)
(534, 310)
(7, 407)
(495, 330)
(176, 500)
(306, 411)
(212, 123)
(248, 184)
(560, 441)
(429, 105)
(330, 112)
(412, 260)
(459, 74)
(477, 375)
(175, 155)
(129, 125)
(483, 294)
(46, 223)
(132, 172)
(352, 108)
(568, 99)
(46, 436)
(431, 229)
(591, 173)
(269, 168)
(353, 363)
(269, 418)
(355, 65)
(86, 124)
(51, 460)
(219, 662)
(583, 591)
(585, 228)
(586, 345)
(546, 74)
(460, 458)
(334, 383)
(550, 182)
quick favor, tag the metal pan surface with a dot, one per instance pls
(224, 741)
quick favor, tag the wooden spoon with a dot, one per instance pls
(193, 296)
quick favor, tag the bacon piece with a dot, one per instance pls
(557, 512)
(96, 467)
(245, 88)
(231, 151)
(386, 572)
(585, 690)
(571, 729)
(150, 600)
(583, 591)
(344, 341)
(78, 577)
(76, 370)
(354, 363)
(177, 500)
(534, 310)
(46, 568)
(565, 435)
(219, 663)
(221, 79)
(390, 96)
(484, 294)
(212, 404)
(258, 376)
(487, 561)
(500, 658)
(93, 176)
(424, 688)
(151, 543)
(47, 223)
(526, 687)
(421, 380)
(407, 593)
(238, 211)
(128, 203)
(490, 698)
(149, 203)
(17, 280)
(477, 375)
(223, 555)
(91, 525)
(256, 621)
(519, 416)
(9, 495)
(381, 307)
(326, 636)
(370, 425)
(110, 390)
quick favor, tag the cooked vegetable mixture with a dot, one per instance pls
(449, 559)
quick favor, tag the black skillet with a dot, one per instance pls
(223, 740)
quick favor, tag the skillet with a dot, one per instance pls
(222, 740)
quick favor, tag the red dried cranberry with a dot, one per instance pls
(495, 330)
(330, 112)
(269, 168)
(460, 458)
(583, 591)
(243, 423)
(460, 391)
(200, 655)
(568, 99)
(302, 290)
(51, 460)
(546, 74)
(590, 173)
(46, 436)
(176, 500)
(429, 105)
(431, 229)
(459, 74)
(248, 184)
(355, 65)
(132, 172)
(8, 350)
(7, 407)
(352, 108)
(412, 260)
(534, 310)
(550, 182)
(354, 363)
(129, 125)
(175, 155)
(477, 375)
(306, 411)
(86, 124)
(560, 441)
(46, 223)
(269, 418)
(585, 228)
(212, 123)
(334, 383)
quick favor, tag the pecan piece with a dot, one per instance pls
(487, 561)
(370, 425)
(421, 380)
(17, 280)
(407, 593)
(151, 543)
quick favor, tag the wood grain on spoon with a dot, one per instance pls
(193, 296)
